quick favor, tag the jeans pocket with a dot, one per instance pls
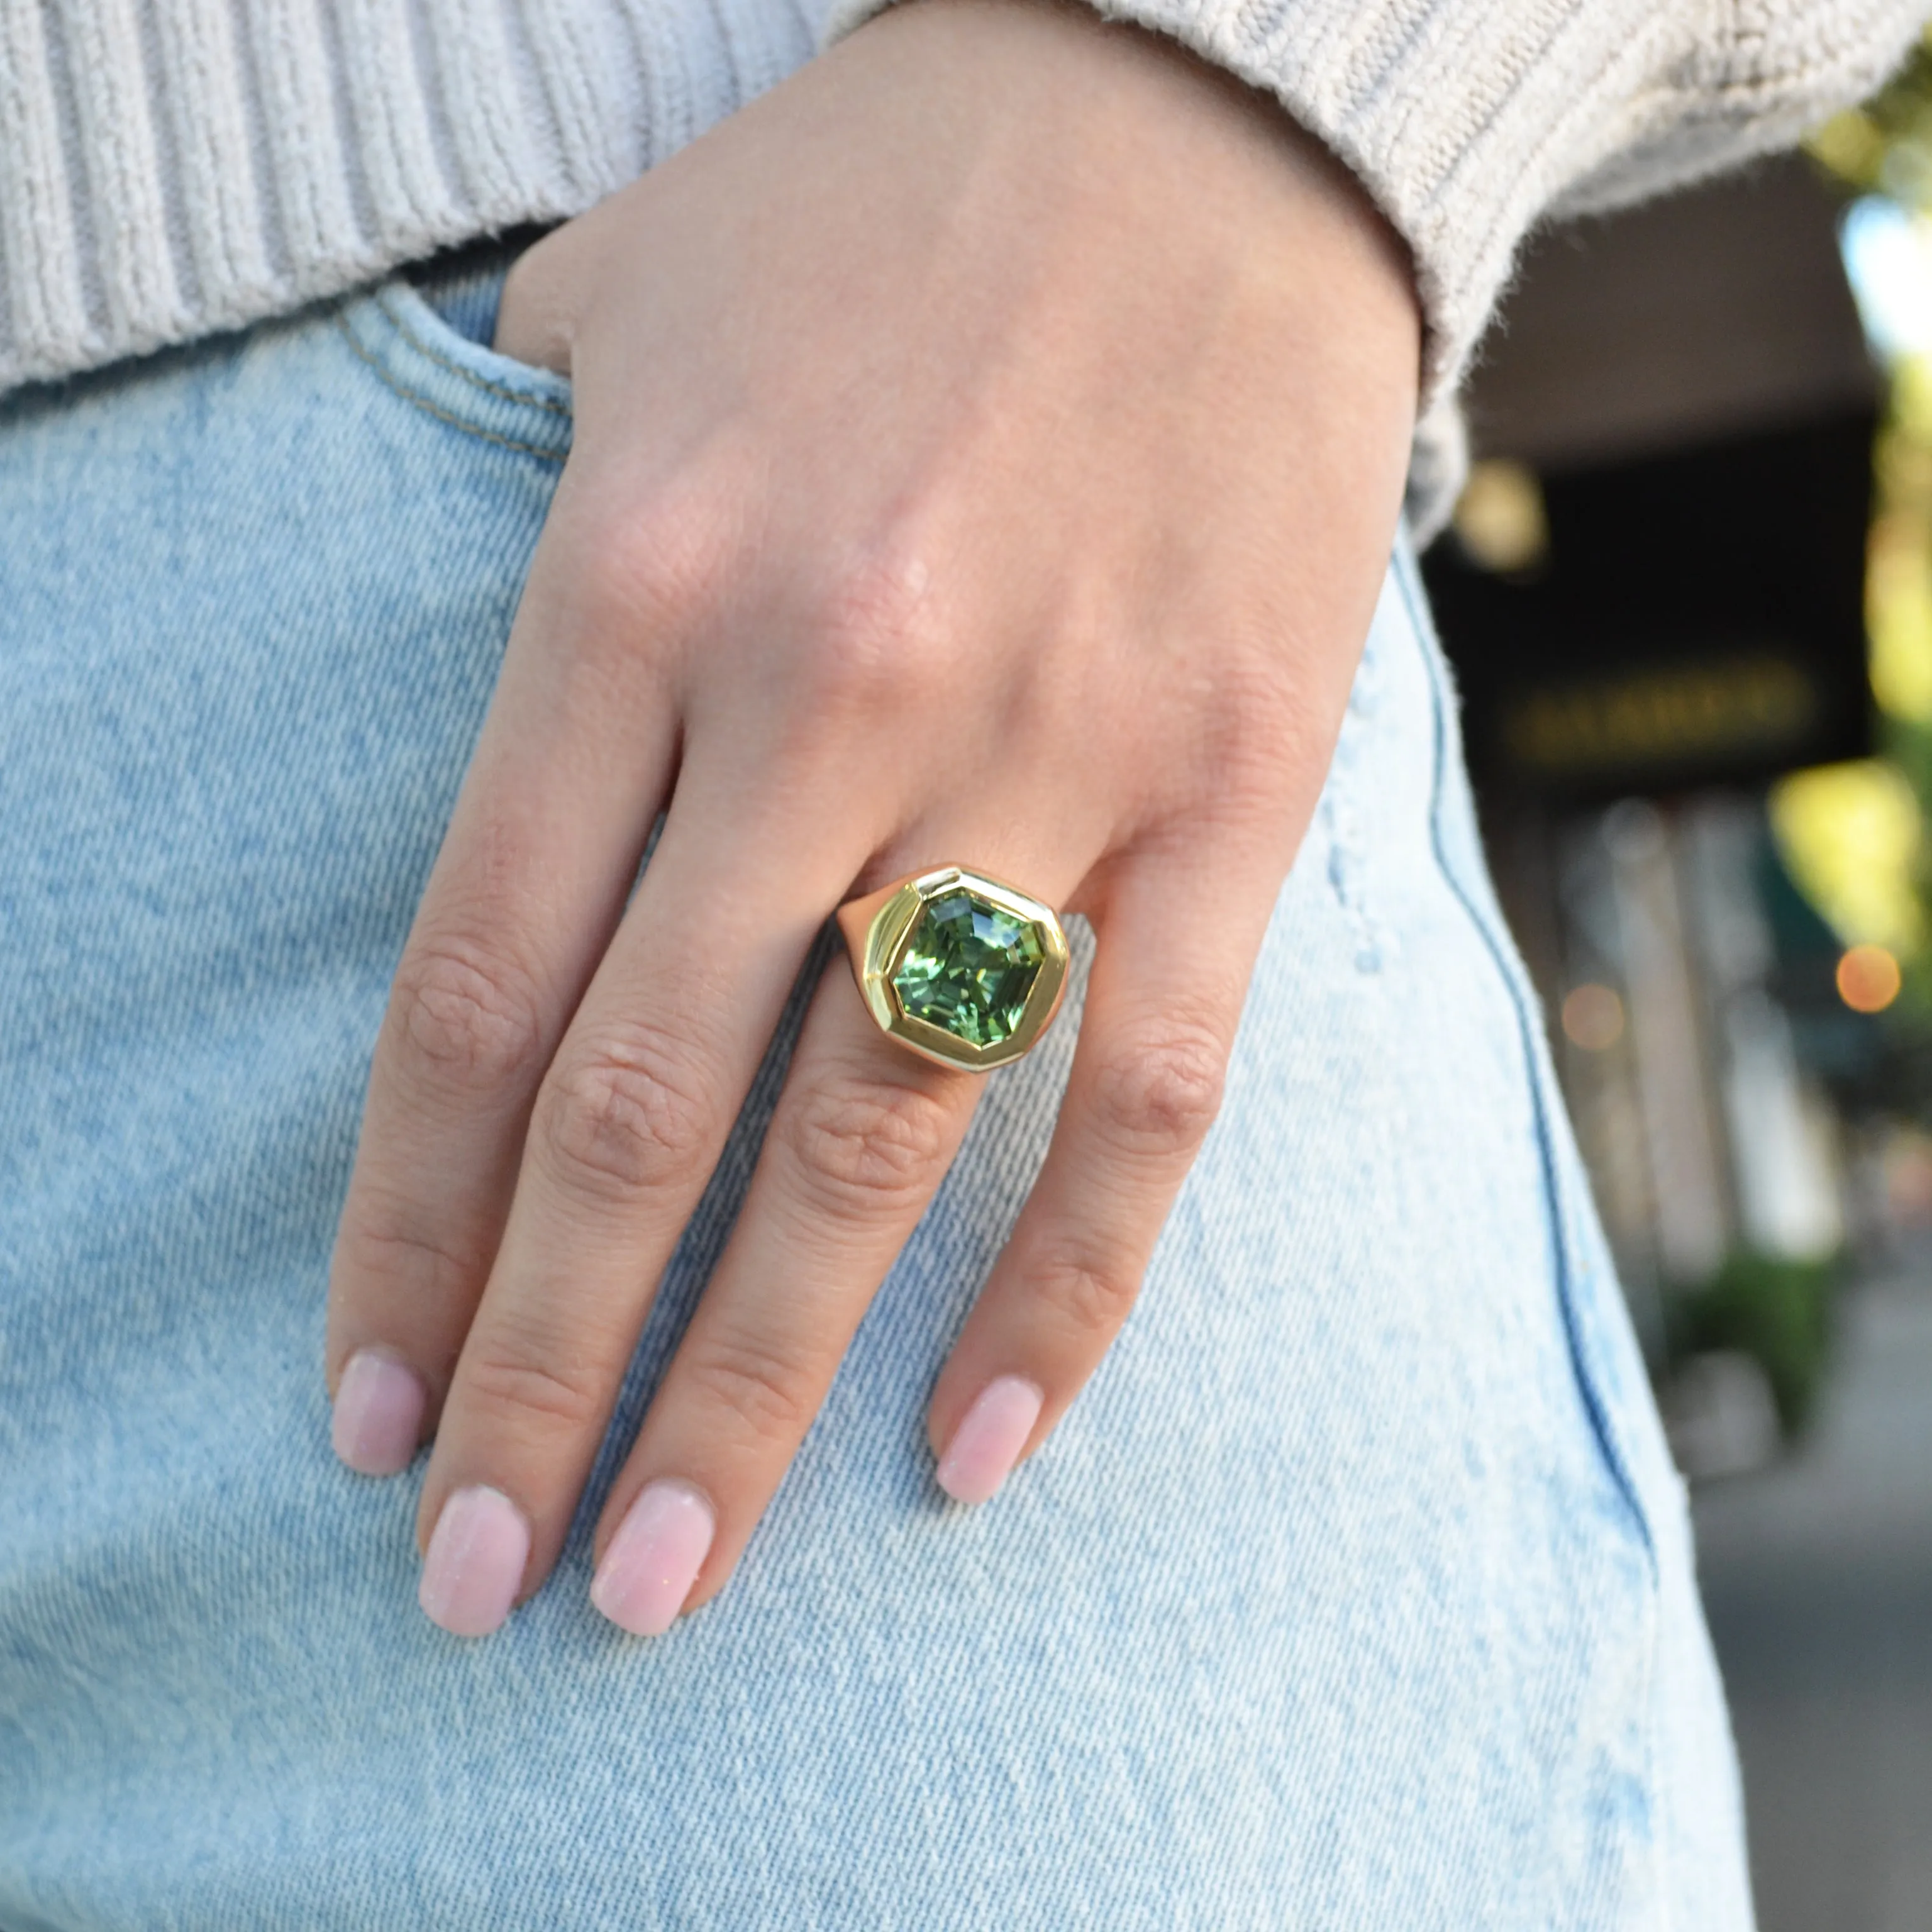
(1606, 1362)
(402, 339)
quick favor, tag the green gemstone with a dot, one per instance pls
(969, 967)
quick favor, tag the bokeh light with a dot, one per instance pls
(1898, 617)
(1850, 834)
(1868, 978)
(1888, 251)
(1500, 518)
(1593, 1018)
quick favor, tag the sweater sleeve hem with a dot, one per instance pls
(1467, 121)
(1462, 124)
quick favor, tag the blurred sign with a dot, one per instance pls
(1747, 707)
(1688, 618)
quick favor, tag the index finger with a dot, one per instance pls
(542, 846)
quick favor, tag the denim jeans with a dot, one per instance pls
(1355, 1592)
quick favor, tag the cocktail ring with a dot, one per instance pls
(956, 966)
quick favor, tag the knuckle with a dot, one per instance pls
(466, 1017)
(1248, 750)
(878, 635)
(1252, 735)
(863, 1147)
(1249, 719)
(645, 566)
(624, 1117)
(506, 1384)
(1092, 1297)
(767, 1394)
(415, 1266)
(1159, 1090)
(1273, 746)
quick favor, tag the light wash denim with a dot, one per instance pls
(1355, 1594)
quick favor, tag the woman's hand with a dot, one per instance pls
(988, 448)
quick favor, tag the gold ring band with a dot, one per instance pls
(959, 967)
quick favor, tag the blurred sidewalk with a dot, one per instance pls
(1817, 1579)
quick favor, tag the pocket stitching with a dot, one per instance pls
(420, 401)
(456, 369)
(1613, 1451)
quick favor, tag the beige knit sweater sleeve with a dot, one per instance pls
(169, 168)
(1469, 121)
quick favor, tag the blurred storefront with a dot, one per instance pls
(1654, 597)
(1689, 598)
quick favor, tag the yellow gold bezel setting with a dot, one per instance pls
(878, 931)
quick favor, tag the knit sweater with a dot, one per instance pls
(169, 168)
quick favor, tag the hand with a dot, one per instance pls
(988, 449)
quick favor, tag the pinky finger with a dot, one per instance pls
(1171, 970)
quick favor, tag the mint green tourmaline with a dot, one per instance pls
(969, 967)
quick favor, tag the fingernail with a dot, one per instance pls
(654, 1558)
(988, 1442)
(379, 1411)
(476, 1557)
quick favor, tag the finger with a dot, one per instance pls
(570, 771)
(1176, 947)
(861, 1138)
(623, 1136)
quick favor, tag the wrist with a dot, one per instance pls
(1226, 153)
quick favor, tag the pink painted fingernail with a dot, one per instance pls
(988, 1442)
(476, 1557)
(654, 1558)
(378, 1412)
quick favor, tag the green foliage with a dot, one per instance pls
(1907, 744)
(1884, 147)
(1779, 1312)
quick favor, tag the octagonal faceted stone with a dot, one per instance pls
(968, 967)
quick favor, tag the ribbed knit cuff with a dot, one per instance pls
(166, 171)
